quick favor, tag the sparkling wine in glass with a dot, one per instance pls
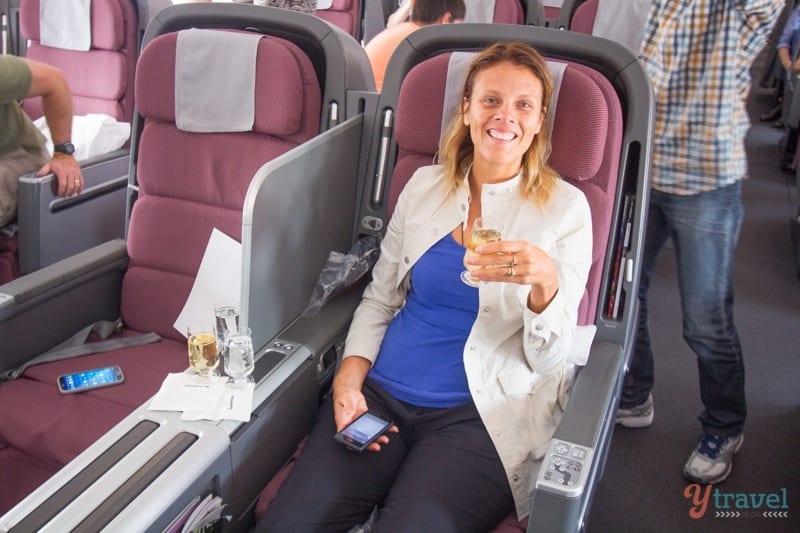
(203, 349)
(481, 234)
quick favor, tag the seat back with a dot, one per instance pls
(345, 14)
(101, 78)
(193, 182)
(622, 21)
(583, 20)
(190, 183)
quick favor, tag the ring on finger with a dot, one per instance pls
(510, 272)
(514, 260)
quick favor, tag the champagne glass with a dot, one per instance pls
(481, 234)
(239, 361)
(203, 349)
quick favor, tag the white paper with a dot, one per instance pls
(205, 514)
(233, 404)
(183, 392)
(219, 280)
(204, 398)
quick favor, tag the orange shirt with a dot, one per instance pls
(380, 48)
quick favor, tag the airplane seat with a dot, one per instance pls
(593, 148)
(101, 79)
(346, 14)
(188, 183)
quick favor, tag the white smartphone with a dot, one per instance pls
(90, 379)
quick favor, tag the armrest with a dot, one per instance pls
(52, 228)
(45, 307)
(579, 445)
(324, 333)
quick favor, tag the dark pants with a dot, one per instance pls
(704, 228)
(440, 473)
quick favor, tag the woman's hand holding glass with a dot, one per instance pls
(517, 262)
(480, 233)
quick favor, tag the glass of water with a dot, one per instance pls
(239, 357)
(226, 319)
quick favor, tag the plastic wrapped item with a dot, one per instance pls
(342, 270)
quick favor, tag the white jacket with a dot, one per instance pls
(515, 359)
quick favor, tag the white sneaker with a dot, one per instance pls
(639, 416)
(711, 461)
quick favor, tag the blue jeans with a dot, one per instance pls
(704, 228)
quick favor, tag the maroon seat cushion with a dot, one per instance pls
(26, 472)
(102, 78)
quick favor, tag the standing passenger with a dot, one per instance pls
(698, 54)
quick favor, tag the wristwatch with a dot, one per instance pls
(65, 148)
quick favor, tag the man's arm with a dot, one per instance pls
(49, 83)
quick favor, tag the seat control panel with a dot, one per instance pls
(565, 468)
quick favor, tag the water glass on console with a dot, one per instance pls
(226, 319)
(239, 358)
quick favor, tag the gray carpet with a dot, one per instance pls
(643, 489)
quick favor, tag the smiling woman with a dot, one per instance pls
(504, 113)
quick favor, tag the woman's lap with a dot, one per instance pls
(441, 472)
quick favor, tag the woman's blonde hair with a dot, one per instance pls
(456, 149)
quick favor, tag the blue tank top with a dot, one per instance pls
(421, 360)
